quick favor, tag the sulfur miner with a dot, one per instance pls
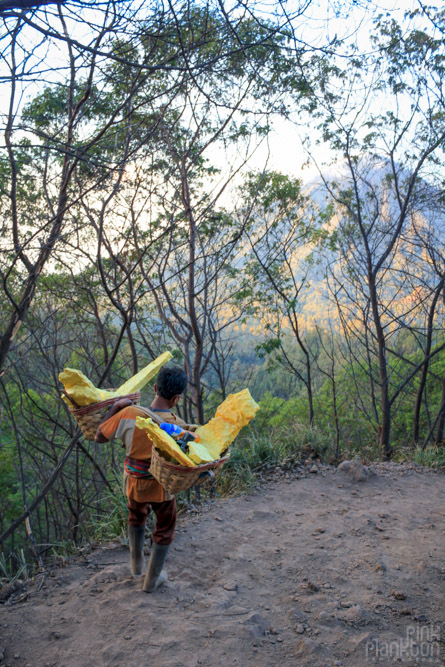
(134, 425)
(143, 491)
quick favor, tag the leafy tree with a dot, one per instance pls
(282, 229)
(388, 132)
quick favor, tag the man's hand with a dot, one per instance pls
(118, 405)
(99, 437)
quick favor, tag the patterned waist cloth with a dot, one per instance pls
(137, 468)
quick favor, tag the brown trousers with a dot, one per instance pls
(165, 518)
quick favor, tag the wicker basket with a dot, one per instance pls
(89, 417)
(175, 478)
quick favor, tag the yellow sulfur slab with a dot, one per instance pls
(214, 438)
(198, 453)
(163, 441)
(145, 375)
(234, 413)
(83, 391)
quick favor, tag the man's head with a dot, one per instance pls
(170, 384)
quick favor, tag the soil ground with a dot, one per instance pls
(313, 569)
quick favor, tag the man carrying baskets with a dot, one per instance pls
(143, 491)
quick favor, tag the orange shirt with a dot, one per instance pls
(137, 445)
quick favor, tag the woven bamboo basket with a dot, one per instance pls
(175, 478)
(89, 417)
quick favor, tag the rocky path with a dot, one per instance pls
(313, 571)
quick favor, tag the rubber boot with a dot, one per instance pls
(136, 537)
(155, 575)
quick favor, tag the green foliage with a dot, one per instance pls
(258, 450)
(111, 522)
(11, 503)
(10, 571)
(432, 457)
(237, 476)
(274, 190)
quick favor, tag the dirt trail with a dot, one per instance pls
(313, 571)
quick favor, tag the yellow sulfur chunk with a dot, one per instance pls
(71, 377)
(145, 375)
(163, 441)
(234, 413)
(83, 391)
(198, 453)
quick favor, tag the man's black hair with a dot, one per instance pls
(171, 381)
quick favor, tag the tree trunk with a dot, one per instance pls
(385, 426)
(423, 377)
(441, 427)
